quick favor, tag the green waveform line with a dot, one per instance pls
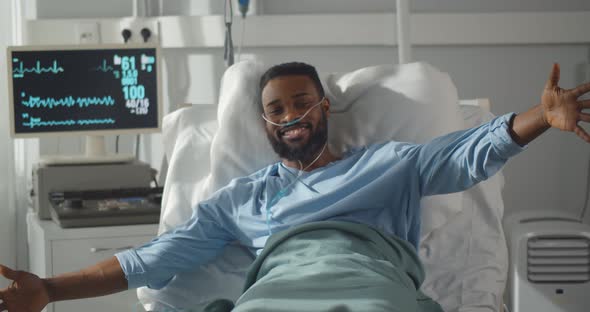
(67, 101)
(96, 121)
(103, 67)
(21, 70)
(38, 122)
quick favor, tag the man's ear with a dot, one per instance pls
(326, 106)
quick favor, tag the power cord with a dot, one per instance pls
(137, 140)
(587, 195)
(154, 174)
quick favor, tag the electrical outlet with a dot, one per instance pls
(88, 33)
(135, 25)
(111, 31)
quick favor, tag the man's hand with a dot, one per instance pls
(561, 107)
(27, 293)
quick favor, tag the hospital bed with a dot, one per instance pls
(462, 242)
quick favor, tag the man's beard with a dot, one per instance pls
(307, 152)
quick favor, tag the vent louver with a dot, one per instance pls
(558, 259)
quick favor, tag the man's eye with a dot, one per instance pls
(275, 112)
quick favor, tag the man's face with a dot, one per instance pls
(287, 98)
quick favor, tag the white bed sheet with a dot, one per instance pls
(463, 249)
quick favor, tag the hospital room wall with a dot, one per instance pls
(118, 8)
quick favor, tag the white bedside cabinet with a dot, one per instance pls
(54, 250)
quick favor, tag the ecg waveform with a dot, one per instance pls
(38, 122)
(21, 70)
(67, 101)
(104, 67)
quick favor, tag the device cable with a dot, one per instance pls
(587, 197)
(154, 175)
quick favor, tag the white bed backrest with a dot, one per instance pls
(482, 103)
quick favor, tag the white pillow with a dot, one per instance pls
(411, 102)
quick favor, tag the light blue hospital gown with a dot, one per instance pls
(380, 185)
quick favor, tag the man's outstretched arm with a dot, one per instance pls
(458, 160)
(29, 293)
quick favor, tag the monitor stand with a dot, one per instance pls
(95, 154)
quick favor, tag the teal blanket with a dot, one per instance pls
(335, 266)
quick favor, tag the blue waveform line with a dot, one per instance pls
(21, 70)
(103, 67)
(67, 101)
(38, 122)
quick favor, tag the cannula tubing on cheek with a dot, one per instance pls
(294, 121)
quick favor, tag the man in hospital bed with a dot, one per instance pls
(343, 229)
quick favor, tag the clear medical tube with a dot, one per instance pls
(280, 194)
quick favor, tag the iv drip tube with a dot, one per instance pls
(404, 45)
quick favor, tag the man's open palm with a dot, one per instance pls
(561, 107)
(26, 294)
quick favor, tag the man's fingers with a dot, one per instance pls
(7, 272)
(581, 89)
(582, 134)
(553, 77)
(584, 103)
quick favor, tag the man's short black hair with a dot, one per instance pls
(292, 69)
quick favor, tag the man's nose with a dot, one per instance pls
(291, 113)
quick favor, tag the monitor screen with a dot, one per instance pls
(84, 89)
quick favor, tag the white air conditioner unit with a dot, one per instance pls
(549, 262)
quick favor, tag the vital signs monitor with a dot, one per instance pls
(85, 90)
